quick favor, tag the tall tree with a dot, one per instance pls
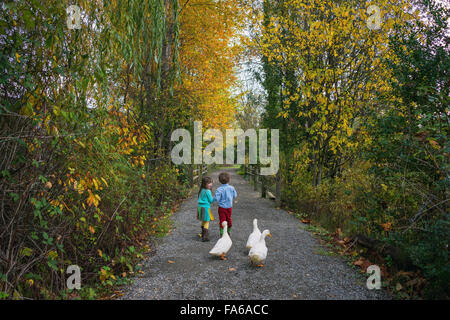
(332, 70)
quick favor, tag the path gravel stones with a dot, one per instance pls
(294, 269)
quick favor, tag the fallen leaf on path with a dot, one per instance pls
(295, 296)
(363, 263)
(231, 269)
(170, 261)
(341, 242)
(306, 221)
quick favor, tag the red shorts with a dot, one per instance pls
(225, 215)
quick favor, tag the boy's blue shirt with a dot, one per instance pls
(225, 195)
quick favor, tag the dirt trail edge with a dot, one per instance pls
(294, 268)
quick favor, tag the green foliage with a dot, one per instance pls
(394, 186)
(79, 141)
(429, 251)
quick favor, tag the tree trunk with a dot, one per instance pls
(400, 258)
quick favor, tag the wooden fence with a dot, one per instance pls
(270, 185)
(196, 172)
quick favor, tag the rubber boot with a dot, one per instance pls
(229, 231)
(205, 235)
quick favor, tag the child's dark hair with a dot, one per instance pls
(224, 177)
(205, 182)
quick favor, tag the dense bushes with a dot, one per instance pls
(390, 210)
(68, 200)
(84, 174)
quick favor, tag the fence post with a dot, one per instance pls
(191, 175)
(278, 190)
(255, 178)
(263, 186)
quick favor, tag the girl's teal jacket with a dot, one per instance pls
(204, 202)
(205, 198)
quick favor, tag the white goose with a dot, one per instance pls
(254, 236)
(258, 252)
(223, 244)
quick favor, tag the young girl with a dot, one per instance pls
(205, 199)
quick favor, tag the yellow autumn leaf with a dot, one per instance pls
(95, 183)
(386, 226)
(434, 144)
(92, 199)
(52, 254)
(91, 229)
(81, 143)
(103, 275)
(104, 181)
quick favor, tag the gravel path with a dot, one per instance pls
(293, 269)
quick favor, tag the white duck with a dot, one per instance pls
(254, 236)
(223, 244)
(258, 252)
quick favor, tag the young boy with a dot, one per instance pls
(224, 197)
